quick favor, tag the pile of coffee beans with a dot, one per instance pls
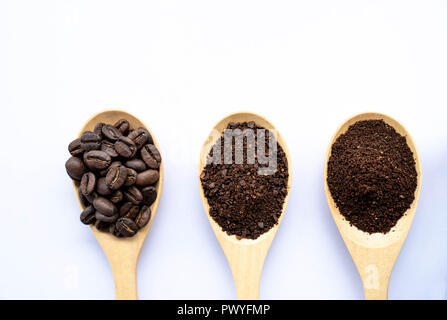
(242, 201)
(117, 171)
(372, 176)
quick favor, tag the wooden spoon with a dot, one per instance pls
(374, 254)
(123, 253)
(245, 256)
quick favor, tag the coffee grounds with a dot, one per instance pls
(242, 201)
(372, 176)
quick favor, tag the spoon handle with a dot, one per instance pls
(125, 275)
(375, 276)
(247, 277)
(375, 266)
(381, 294)
(246, 264)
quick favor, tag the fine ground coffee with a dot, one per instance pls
(117, 171)
(246, 199)
(372, 176)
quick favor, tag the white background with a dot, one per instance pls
(181, 66)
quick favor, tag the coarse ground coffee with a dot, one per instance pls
(244, 200)
(372, 176)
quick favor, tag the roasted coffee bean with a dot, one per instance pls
(140, 137)
(133, 212)
(75, 168)
(88, 183)
(125, 207)
(111, 229)
(116, 176)
(133, 195)
(143, 217)
(102, 188)
(149, 195)
(103, 217)
(137, 164)
(151, 156)
(103, 173)
(126, 227)
(122, 125)
(88, 215)
(116, 197)
(147, 177)
(84, 202)
(109, 148)
(110, 132)
(131, 177)
(105, 206)
(89, 197)
(90, 141)
(116, 233)
(97, 160)
(125, 147)
(98, 129)
(102, 226)
(155, 153)
(75, 148)
(108, 189)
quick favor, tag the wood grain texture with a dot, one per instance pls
(374, 254)
(123, 253)
(246, 257)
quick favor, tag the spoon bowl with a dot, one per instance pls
(374, 254)
(123, 253)
(245, 256)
